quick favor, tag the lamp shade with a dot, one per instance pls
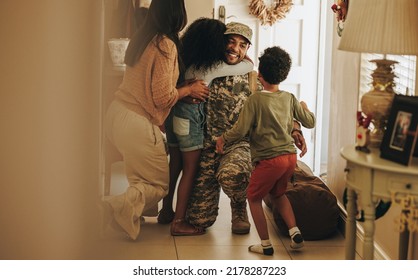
(381, 26)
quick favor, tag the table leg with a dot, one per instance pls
(369, 228)
(350, 230)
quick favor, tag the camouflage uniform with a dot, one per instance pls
(229, 171)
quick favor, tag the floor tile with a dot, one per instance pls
(227, 252)
(156, 243)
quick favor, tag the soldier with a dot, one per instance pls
(231, 170)
(184, 125)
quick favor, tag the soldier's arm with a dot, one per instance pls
(298, 138)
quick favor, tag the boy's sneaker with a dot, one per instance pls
(296, 240)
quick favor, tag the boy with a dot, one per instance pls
(267, 117)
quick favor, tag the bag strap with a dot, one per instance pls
(253, 81)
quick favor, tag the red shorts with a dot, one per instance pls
(270, 176)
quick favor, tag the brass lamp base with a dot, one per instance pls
(378, 101)
(377, 104)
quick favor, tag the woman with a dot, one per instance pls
(142, 103)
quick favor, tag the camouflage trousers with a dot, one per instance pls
(229, 172)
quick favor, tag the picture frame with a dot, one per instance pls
(415, 151)
(399, 140)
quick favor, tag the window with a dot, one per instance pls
(405, 71)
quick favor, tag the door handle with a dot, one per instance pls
(222, 13)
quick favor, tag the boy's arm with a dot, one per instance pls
(242, 125)
(302, 114)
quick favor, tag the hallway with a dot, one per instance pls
(156, 243)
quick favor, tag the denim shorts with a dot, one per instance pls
(184, 126)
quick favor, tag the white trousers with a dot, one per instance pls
(146, 165)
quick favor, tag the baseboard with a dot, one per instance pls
(379, 253)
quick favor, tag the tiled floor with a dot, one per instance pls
(156, 243)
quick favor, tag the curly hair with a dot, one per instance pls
(274, 65)
(203, 44)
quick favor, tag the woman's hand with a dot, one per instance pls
(199, 90)
(193, 91)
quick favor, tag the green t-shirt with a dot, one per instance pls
(267, 117)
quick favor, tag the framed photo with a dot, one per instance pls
(400, 137)
(416, 151)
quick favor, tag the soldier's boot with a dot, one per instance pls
(240, 223)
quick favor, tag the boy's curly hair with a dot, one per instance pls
(274, 65)
(203, 44)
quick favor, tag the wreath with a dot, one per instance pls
(269, 15)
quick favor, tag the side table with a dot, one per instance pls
(376, 178)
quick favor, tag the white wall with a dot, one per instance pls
(199, 8)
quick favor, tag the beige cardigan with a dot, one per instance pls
(149, 87)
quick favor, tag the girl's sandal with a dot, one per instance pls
(175, 231)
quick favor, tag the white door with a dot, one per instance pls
(298, 33)
(198, 8)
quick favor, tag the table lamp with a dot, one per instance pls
(383, 27)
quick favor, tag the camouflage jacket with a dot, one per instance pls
(226, 100)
